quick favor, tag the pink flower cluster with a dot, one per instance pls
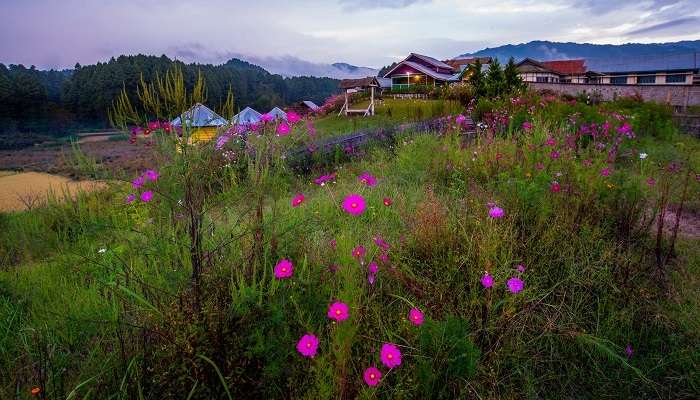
(139, 182)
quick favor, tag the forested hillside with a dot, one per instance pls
(57, 102)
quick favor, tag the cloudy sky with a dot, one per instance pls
(51, 33)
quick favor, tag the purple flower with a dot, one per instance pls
(381, 243)
(359, 251)
(297, 200)
(372, 376)
(130, 198)
(151, 175)
(515, 284)
(338, 311)
(527, 126)
(487, 280)
(371, 278)
(138, 182)
(460, 119)
(629, 351)
(354, 204)
(321, 180)
(266, 117)
(367, 179)
(554, 155)
(284, 269)
(293, 117)
(146, 196)
(373, 267)
(605, 172)
(390, 355)
(496, 212)
(416, 316)
(520, 268)
(283, 129)
(307, 345)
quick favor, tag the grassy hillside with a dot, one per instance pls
(524, 263)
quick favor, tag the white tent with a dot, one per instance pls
(199, 116)
(277, 113)
(247, 116)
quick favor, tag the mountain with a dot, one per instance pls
(546, 50)
(58, 102)
(289, 66)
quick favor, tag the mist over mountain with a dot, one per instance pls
(289, 66)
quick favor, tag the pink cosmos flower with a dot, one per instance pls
(153, 125)
(371, 278)
(460, 119)
(515, 284)
(527, 126)
(605, 172)
(373, 267)
(496, 212)
(390, 355)
(338, 311)
(283, 129)
(551, 142)
(587, 163)
(388, 201)
(146, 196)
(307, 345)
(416, 316)
(284, 269)
(138, 182)
(554, 154)
(381, 243)
(651, 181)
(297, 200)
(555, 187)
(130, 198)
(539, 166)
(384, 257)
(359, 251)
(354, 204)
(372, 376)
(321, 180)
(266, 118)
(151, 175)
(520, 268)
(367, 179)
(293, 117)
(332, 243)
(487, 280)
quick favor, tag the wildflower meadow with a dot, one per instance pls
(542, 256)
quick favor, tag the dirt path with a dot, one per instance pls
(25, 190)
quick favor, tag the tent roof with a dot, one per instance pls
(277, 113)
(311, 104)
(200, 115)
(247, 116)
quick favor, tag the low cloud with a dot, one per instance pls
(680, 25)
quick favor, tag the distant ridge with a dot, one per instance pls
(545, 50)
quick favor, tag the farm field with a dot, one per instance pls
(26, 190)
(541, 258)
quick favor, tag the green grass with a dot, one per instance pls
(122, 322)
(387, 112)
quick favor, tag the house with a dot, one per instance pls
(277, 113)
(304, 107)
(461, 64)
(534, 71)
(202, 121)
(246, 117)
(678, 69)
(669, 69)
(418, 69)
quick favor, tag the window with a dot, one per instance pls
(618, 80)
(678, 78)
(646, 79)
(542, 79)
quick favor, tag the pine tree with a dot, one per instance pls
(495, 82)
(513, 81)
(477, 78)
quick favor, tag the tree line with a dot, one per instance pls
(57, 102)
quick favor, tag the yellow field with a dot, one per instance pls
(20, 191)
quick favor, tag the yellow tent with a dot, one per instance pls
(203, 122)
